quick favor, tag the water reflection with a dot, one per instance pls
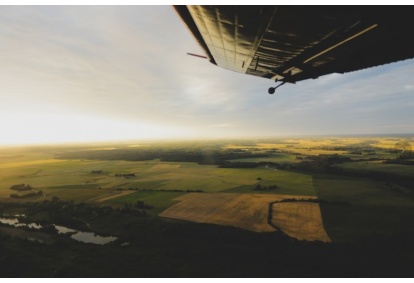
(15, 222)
(88, 237)
(84, 237)
(63, 229)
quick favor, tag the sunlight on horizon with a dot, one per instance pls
(74, 74)
(28, 129)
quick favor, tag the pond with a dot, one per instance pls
(84, 237)
(15, 222)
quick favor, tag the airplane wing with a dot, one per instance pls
(294, 43)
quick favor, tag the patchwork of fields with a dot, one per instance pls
(349, 206)
(73, 180)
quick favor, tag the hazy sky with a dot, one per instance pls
(86, 73)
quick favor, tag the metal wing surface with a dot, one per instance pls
(294, 43)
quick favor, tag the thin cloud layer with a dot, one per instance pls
(129, 64)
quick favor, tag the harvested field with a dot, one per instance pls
(246, 211)
(300, 220)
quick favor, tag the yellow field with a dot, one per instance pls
(313, 146)
(390, 143)
(302, 146)
(250, 211)
(300, 220)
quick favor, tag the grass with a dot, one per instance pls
(370, 207)
(143, 185)
(77, 194)
(357, 191)
(159, 200)
(288, 183)
(378, 166)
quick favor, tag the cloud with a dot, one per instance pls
(129, 63)
(409, 87)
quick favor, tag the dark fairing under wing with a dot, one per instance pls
(294, 43)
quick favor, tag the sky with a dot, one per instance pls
(108, 73)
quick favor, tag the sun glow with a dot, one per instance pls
(35, 128)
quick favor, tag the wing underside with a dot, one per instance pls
(294, 43)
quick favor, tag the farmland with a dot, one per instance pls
(165, 175)
(334, 190)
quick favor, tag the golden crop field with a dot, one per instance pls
(250, 211)
(312, 146)
(300, 220)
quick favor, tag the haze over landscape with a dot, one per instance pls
(105, 73)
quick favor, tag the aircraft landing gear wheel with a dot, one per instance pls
(273, 89)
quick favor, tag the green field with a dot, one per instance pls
(358, 208)
(288, 183)
(159, 200)
(380, 167)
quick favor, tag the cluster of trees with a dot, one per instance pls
(237, 164)
(142, 205)
(330, 158)
(160, 190)
(96, 172)
(320, 163)
(364, 152)
(21, 187)
(198, 155)
(73, 214)
(259, 187)
(30, 192)
(314, 200)
(229, 164)
(125, 175)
